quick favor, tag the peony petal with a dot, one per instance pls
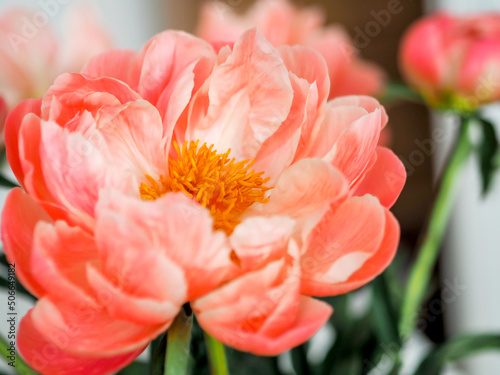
(304, 192)
(356, 145)
(385, 179)
(20, 216)
(58, 262)
(261, 311)
(351, 247)
(168, 224)
(132, 136)
(258, 99)
(74, 170)
(115, 64)
(162, 59)
(46, 358)
(124, 306)
(13, 126)
(258, 240)
(421, 40)
(71, 94)
(90, 332)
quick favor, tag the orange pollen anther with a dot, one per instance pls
(225, 187)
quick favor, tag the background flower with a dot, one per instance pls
(454, 61)
(284, 23)
(31, 56)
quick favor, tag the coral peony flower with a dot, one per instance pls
(453, 61)
(31, 57)
(178, 174)
(283, 23)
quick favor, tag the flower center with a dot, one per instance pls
(218, 183)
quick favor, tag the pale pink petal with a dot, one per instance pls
(369, 103)
(304, 192)
(356, 145)
(354, 243)
(58, 262)
(12, 133)
(88, 331)
(251, 89)
(279, 150)
(34, 179)
(162, 59)
(258, 240)
(115, 64)
(168, 224)
(46, 358)
(385, 179)
(125, 306)
(327, 130)
(373, 267)
(261, 312)
(74, 170)
(20, 217)
(132, 136)
(126, 243)
(71, 94)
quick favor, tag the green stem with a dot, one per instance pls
(429, 249)
(21, 367)
(178, 342)
(216, 355)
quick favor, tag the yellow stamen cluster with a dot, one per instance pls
(218, 183)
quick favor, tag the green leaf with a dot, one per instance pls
(384, 317)
(21, 366)
(487, 152)
(456, 349)
(299, 360)
(158, 360)
(351, 364)
(135, 368)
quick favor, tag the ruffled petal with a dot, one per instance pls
(350, 247)
(13, 126)
(87, 331)
(305, 193)
(59, 258)
(168, 224)
(20, 217)
(356, 145)
(72, 94)
(115, 64)
(385, 179)
(46, 358)
(262, 312)
(258, 99)
(258, 240)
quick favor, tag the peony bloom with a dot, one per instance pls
(31, 57)
(178, 174)
(283, 23)
(454, 62)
